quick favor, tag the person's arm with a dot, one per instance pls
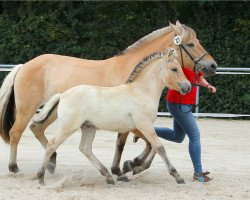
(203, 82)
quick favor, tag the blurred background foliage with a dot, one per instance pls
(99, 30)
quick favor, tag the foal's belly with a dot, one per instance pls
(114, 121)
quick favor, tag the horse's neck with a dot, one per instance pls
(149, 81)
(126, 62)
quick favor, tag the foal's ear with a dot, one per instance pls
(177, 30)
(178, 23)
(171, 54)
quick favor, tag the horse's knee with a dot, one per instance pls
(36, 130)
(85, 151)
(33, 127)
(161, 150)
(15, 136)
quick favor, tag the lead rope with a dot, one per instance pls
(193, 85)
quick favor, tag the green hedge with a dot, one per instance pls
(98, 30)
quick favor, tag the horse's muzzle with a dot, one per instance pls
(185, 87)
(209, 68)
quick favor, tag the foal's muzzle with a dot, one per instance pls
(185, 87)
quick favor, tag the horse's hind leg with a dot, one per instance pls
(15, 133)
(88, 135)
(115, 169)
(38, 131)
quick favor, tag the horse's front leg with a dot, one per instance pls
(39, 132)
(148, 130)
(120, 142)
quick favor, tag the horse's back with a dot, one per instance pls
(49, 74)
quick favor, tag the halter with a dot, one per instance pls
(178, 42)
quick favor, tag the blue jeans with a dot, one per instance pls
(184, 123)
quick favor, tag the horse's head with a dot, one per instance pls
(190, 51)
(174, 77)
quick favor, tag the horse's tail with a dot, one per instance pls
(47, 109)
(7, 104)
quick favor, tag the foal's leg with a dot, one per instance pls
(149, 132)
(88, 135)
(52, 145)
(38, 131)
(129, 165)
(146, 164)
(120, 142)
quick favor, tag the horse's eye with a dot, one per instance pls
(174, 69)
(190, 45)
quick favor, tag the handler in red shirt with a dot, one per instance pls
(180, 107)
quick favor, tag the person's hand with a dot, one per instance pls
(211, 88)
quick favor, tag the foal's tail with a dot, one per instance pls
(47, 109)
(7, 104)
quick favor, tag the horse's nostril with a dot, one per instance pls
(214, 66)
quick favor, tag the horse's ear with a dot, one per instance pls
(176, 29)
(178, 23)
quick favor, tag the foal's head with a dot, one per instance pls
(172, 73)
(190, 51)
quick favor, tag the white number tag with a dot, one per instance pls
(177, 40)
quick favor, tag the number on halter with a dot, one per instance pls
(177, 40)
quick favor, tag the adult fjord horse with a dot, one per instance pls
(29, 86)
(119, 109)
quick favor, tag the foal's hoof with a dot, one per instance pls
(41, 182)
(137, 170)
(110, 181)
(180, 181)
(13, 168)
(123, 178)
(128, 166)
(51, 168)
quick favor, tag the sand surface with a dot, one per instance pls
(225, 153)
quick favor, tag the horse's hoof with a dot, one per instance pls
(51, 168)
(123, 178)
(116, 170)
(137, 170)
(127, 166)
(180, 181)
(110, 181)
(41, 182)
(13, 168)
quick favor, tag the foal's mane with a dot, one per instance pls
(144, 63)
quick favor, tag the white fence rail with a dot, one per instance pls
(220, 70)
